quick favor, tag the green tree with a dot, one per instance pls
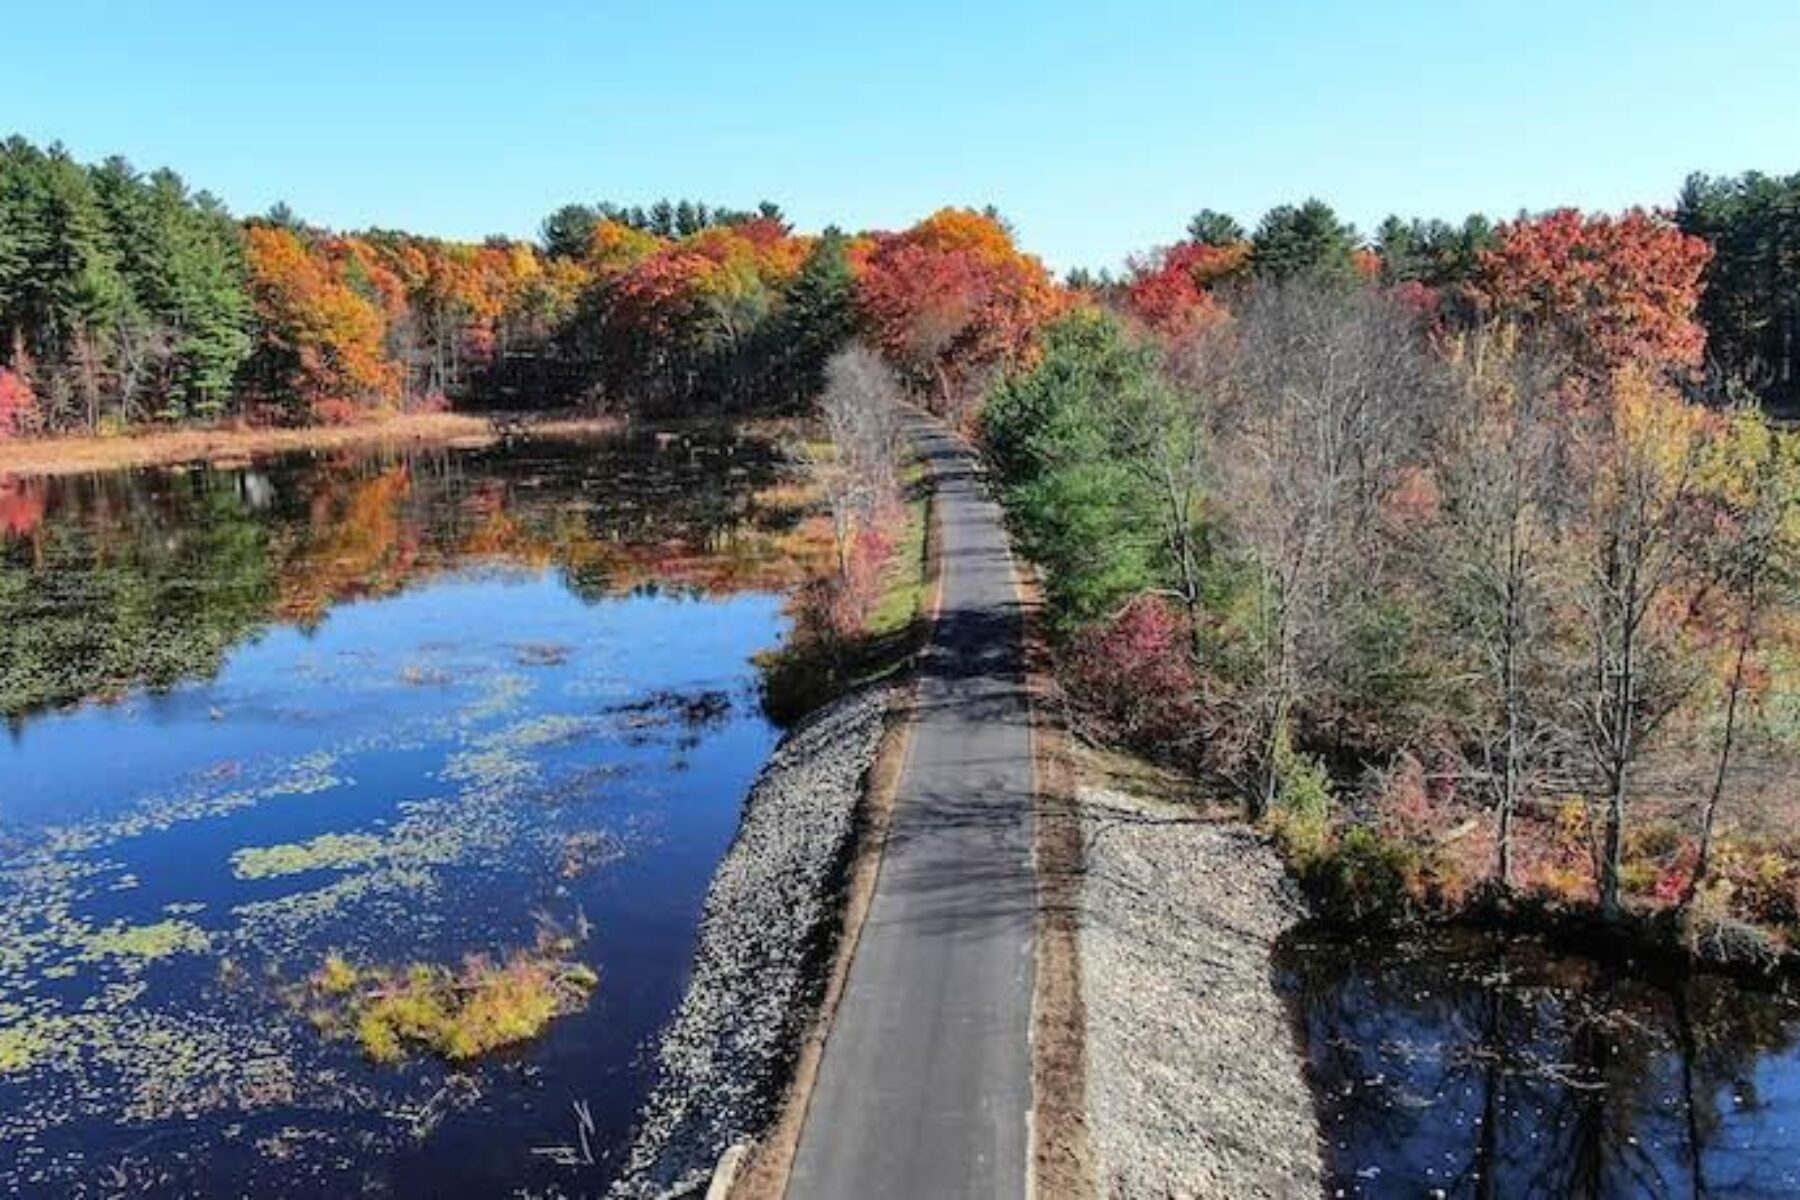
(1751, 301)
(567, 232)
(1399, 243)
(1308, 240)
(63, 295)
(816, 319)
(182, 258)
(1082, 511)
(1213, 228)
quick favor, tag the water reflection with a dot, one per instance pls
(1465, 1065)
(146, 578)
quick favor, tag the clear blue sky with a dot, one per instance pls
(1097, 128)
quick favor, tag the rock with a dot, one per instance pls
(767, 935)
(1195, 1085)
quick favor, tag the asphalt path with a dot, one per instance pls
(925, 1083)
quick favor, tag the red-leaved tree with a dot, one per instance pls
(1172, 292)
(1614, 291)
(951, 299)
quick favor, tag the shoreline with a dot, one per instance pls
(769, 934)
(83, 454)
(1196, 1085)
(1651, 939)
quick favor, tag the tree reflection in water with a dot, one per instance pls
(1468, 1065)
(149, 578)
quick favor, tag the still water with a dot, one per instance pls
(400, 707)
(1471, 1065)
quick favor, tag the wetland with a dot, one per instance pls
(357, 808)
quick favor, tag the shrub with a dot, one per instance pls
(335, 410)
(18, 405)
(1454, 840)
(1136, 673)
(1300, 818)
(455, 1014)
(1364, 877)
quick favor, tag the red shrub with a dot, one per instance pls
(335, 410)
(858, 589)
(1136, 672)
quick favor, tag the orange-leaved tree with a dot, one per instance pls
(951, 299)
(322, 350)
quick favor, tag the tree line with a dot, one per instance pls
(128, 299)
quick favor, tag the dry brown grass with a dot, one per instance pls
(80, 454)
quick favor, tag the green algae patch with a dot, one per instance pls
(21, 1046)
(328, 851)
(454, 1014)
(147, 943)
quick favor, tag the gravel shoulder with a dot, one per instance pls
(1195, 1087)
(766, 941)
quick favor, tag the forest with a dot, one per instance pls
(1465, 554)
(1466, 558)
(129, 299)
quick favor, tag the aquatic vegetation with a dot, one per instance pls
(21, 1045)
(456, 1015)
(549, 730)
(701, 709)
(498, 767)
(380, 800)
(582, 851)
(146, 943)
(501, 694)
(416, 675)
(328, 851)
(542, 654)
(335, 976)
(384, 897)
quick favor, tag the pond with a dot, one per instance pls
(393, 707)
(1464, 1064)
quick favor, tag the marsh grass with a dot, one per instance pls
(457, 1014)
(818, 663)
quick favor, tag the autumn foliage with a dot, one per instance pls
(1135, 673)
(324, 340)
(952, 300)
(1173, 292)
(18, 407)
(1614, 290)
(1468, 611)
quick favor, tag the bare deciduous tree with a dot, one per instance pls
(860, 408)
(1488, 551)
(1635, 550)
(1752, 486)
(1333, 394)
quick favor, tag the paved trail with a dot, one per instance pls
(925, 1082)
